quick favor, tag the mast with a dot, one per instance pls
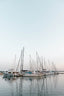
(30, 63)
(42, 64)
(22, 59)
(37, 60)
(49, 65)
(15, 62)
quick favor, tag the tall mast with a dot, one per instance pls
(15, 62)
(49, 65)
(22, 59)
(42, 64)
(30, 63)
(37, 60)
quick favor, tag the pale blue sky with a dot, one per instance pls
(36, 24)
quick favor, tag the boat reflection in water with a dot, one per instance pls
(32, 86)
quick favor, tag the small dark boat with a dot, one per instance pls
(7, 75)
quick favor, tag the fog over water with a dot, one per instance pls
(52, 85)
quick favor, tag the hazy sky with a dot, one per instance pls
(38, 25)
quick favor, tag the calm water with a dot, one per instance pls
(49, 86)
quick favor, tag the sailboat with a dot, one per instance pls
(15, 73)
(33, 73)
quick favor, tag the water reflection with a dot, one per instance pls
(31, 87)
(25, 86)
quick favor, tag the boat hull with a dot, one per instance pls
(33, 75)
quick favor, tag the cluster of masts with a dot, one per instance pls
(38, 65)
(37, 69)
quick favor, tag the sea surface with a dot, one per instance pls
(52, 85)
